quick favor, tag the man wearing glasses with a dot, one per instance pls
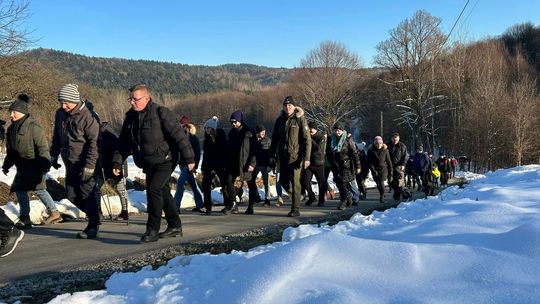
(157, 142)
(75, 137)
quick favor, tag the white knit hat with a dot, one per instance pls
(69, 93)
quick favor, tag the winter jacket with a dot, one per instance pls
(195, 144)
(262, 152)
(241, 152)
(444, 165)
(318, 148)
(364, 163)
(291, 141)
(346, 160)
(398, 154)
(28, 150)
(154, 137)
(75, 137)
(421, 163)
(215, 152)
(379, 160)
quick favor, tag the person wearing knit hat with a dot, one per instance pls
(339, 126)
(28, 150)
(380, 164)
(241, 160)
(259, 128)
(213, 163)
(398, 155)
(316, 166)
(262, 157)
(75, 138)
(291, 147)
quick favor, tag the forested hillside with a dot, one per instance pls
(162, 77)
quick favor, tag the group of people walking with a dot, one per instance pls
(94, 154)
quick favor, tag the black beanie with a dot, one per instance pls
(259, 128)
(339, 126)
(288, 100)
(20, 104)
(312, 125)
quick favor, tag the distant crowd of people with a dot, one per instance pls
(297, 151)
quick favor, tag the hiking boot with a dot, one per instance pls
(279, 202)
(266, 203)
(354, 204)
(208, 212)
(54, 218)
(293, 214)
(9, 241)
(310, 201)
(123, 216)
(150, 236)
(196, 209)
(24, 222)
(234, 209)
(171, 232)
(88, 233)
(341, 206)
(249, 210)
(381, 199)
(226, 211)
(321, 204)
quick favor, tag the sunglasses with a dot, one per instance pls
(234, 121)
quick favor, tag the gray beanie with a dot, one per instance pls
(69, 93)
(211, 123)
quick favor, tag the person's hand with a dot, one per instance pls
(190, 167)
(5, 171)
(251, 168)
(358, 171)
(87, 174)
(306, 164)
(116, 172)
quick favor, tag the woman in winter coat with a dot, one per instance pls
(344, 160)
(380, 164)
(28, 150)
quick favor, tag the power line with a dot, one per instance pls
(455, 23)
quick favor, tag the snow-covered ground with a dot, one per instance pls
(479, 244)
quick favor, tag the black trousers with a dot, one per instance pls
(159, 198)
(208, 177)
(5, 223)
(83, 194)
(318, 171)
(361, 181)
(379, 181)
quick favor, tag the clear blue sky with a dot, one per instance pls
(271, 33)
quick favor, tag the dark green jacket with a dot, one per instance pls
(291, 141)
(29, 152)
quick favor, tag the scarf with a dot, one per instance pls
(337, 145)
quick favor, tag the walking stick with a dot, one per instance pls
(107, 202)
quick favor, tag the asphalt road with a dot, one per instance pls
(54, 249)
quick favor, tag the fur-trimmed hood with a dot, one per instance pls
(384, 147)
(298, 112)
(192, 129)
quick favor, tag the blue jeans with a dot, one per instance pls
(355, 192)
(185, 175)
(24, 201)
(278, 186)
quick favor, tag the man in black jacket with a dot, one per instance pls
(262, 158)
(151, 134)
(316, 167)
(399, 156)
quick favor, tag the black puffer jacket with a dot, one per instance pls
(398, 154)
(214, 152)
(318, 148)
(291, 141)
(154, 137)
(345, 161)
(241, 152)
(379, 161)
(75, 137)
(109, 144)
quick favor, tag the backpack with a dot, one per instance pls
(436, 173)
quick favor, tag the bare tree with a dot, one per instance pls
(324, 82)
(13, 36)
(410, 56)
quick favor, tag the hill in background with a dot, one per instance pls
(163, 77)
